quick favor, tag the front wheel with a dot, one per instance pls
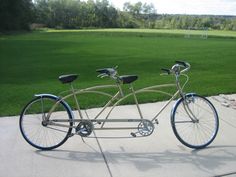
(194, 121)
(36, 131)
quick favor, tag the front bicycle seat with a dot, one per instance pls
(68, 78)
(127, 79)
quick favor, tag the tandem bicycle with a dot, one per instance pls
(47, 121)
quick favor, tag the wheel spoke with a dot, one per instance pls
(38, 134)
(195, 134)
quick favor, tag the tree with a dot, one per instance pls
(137, 8)
(101, 14)
(76, 14)
(148, 10)
(43, 12)
(16, 14)
(134, 9)
(127, 7)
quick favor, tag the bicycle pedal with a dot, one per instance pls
(156, 121)
(133, 134)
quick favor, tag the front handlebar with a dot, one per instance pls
(178, 68)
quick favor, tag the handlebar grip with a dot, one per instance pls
(166, 70)
(103, 71)
(181, 63)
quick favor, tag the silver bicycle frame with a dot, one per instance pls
(119, 96)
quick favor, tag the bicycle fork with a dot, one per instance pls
(186, 103)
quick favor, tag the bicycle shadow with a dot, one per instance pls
(207, 160)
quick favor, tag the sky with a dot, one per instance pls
(206, 7)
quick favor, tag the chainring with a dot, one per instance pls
(84, 128)
(145, 128)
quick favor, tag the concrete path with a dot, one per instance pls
(160, 154)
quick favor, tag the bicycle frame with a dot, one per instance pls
(119, 96)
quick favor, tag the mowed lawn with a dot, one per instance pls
(31, 63)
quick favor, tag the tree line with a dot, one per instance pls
(16, 14)
(76, 14)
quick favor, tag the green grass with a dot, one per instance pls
(210, 33)
(31, 63)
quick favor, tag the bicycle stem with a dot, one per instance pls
(178, 85)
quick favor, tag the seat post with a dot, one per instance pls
(76, 101)
(136, 101)
(120, 89)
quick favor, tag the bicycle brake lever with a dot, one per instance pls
(104, 75)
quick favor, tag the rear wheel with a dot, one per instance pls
(38, 132)
(195, 121)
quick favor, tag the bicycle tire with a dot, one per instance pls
(200, 133)
(41, 136)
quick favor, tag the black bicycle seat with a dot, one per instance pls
(68, 78)
(127, 79)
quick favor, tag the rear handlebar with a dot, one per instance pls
(110, 72)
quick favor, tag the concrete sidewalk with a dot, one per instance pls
(160, 154)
